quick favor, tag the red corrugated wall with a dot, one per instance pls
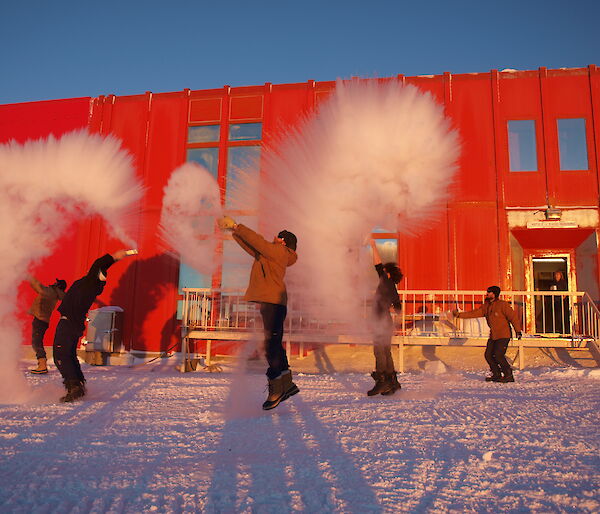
(466, 247)
(36, 120)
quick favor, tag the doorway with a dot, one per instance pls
(552, 311)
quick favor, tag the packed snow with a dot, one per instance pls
(150, 439)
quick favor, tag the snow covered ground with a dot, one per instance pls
(150, 439)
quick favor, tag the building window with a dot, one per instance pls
(521, 145)
(236, 263)
(572, 144)
(243, 165)
(204, 134)
(207, 157)
(245, 132)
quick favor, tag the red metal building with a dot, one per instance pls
(526, 202)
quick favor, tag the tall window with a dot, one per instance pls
(241, 197)
(521, 145)
(202, 148)
(572, 144)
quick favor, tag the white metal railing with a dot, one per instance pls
(424, 313)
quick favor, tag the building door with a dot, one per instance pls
(551, 311)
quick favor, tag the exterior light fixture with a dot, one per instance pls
(553, 214)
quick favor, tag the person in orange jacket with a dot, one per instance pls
(499, 316)
(267, 288)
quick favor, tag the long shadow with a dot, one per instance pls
(340, 482)
(71, 419)
(248, 472)
(142, 287)
(275, 462)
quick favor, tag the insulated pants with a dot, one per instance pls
(273, 316)
(495, 356)
(38, 329)
(65, 350)
(382, 345)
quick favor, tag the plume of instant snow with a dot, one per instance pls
(191, 205)
(45, 185)
(375, 154)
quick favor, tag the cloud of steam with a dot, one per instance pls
(191, 205)
(375, 154)
(46, 185)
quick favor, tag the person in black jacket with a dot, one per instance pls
(386, 295)
(73, 312)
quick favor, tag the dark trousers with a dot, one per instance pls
(495, 352)
(65, 350)
(382, 345)
(273, 316)
(38, 329)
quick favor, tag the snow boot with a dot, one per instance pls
(276, 393)
(289, 388)
(392, 380)
(493, 378)
(507, 377)
(381, 384)
(75, 390)
(41, 368)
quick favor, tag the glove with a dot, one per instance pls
(519, 335)
(226, 223)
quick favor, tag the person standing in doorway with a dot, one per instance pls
(560, 305)
(499, 316)
(41, 309)
(267, 288)
(386, 296)
(73, 309)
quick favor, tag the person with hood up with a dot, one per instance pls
(267, 288)
(73, 309)
(499, 316)
(41, 309)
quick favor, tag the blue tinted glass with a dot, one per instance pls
(204, 134)
(388, 249)
(243, 165)
(521, 145)
(572, 144)
(207, 157)
(245, 132)
(189, 277)
(236, 266)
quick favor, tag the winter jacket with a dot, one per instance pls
(82, 294)
(268, 270)
(499, 316)
(45, 301)
(385, 295)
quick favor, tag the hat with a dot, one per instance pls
(290, 239)
(60, 284)
(495, 290)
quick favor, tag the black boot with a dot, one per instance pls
(75, 390)
(506, 377)
(493, 378)
(381, 384)
(275, 393)
(392, 380)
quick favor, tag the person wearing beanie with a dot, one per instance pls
(73, 310)
(499, 316)
(386, 296)
(267, 288)
(41, 309)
